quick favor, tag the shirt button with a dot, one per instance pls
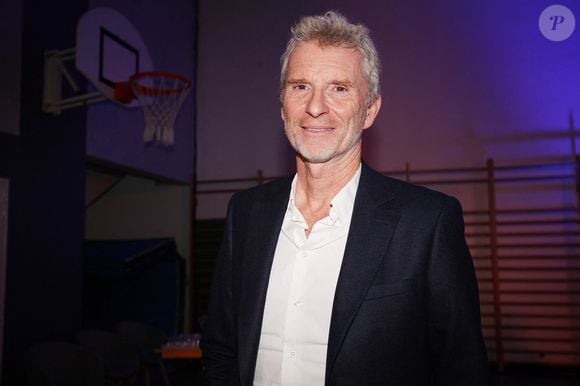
(304, 254)
(292, 354)
(297, 303)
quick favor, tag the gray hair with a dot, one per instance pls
(333, 29)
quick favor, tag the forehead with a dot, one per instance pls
(312, 57)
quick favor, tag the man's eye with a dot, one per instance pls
(299, 87)
(341, 89)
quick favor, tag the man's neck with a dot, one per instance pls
(318, 183)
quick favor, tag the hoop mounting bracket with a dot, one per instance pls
(55, 70)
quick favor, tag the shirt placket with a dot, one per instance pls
(291, 355)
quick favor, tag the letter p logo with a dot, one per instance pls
(557, 23)
(556, 20)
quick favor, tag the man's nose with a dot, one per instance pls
(317, 104)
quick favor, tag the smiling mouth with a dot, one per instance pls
(317, 129)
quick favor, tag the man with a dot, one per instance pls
(341, 276)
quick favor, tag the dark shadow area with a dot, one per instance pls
(536, 376)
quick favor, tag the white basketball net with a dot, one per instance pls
(161, 97)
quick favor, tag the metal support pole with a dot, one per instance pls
(494, 263)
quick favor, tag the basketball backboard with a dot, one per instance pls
(110, 50)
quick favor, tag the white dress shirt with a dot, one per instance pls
(296, 320)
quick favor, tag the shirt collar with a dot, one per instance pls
(341, 205)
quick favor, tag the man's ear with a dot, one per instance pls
(372, 111)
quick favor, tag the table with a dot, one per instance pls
(180, 352)
(186, 361)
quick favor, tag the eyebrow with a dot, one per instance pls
(296, 81)
(344, 82)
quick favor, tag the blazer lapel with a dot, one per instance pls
(266, 220)
(373, 223)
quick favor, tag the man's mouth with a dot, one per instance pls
(317, 129)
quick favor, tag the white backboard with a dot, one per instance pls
(109, 50)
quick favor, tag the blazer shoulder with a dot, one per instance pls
(408, 194)
(272, 190)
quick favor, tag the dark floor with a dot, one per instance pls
(187, 373)
(533, 376)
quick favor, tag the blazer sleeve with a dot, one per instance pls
(456, 341)
(218, 342)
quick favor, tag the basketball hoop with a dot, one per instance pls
(160, 95)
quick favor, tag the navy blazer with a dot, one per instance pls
(406, 308)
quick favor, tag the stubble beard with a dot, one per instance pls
(321, 155)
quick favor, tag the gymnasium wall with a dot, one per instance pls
(10, 27)
(115, 133)
(45, 164)
(462, 81)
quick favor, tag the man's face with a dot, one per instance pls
(324, 102)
